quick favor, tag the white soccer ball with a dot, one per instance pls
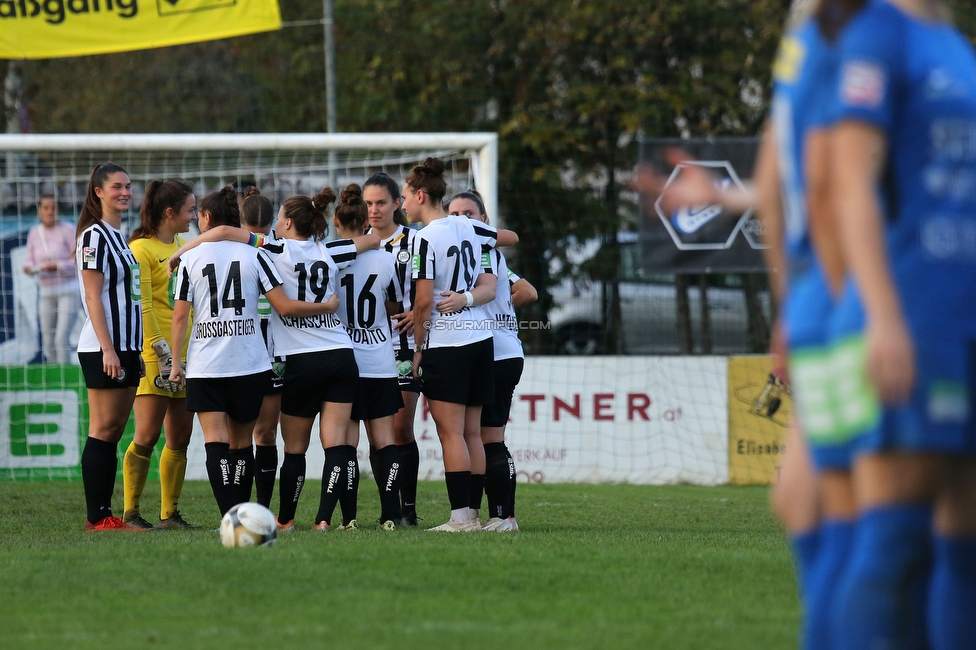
(248, 524)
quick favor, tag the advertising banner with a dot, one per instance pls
(759, 415)
(44, 29)
(701, 238)
(643, 420)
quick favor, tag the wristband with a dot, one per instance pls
(469, 298)
(161, 348)
(257, 241)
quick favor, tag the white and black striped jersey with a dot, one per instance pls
(223, 281)
(502, 312)
(364, 287)
(453, 251)
(309, 272)
(104, 249)
(399, 245)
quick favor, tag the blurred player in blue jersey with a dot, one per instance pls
(793, 193)
(804, 78)
(904, 168)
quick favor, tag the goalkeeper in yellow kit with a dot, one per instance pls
(167, 210)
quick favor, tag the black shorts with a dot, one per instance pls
(239, 397)
(462, 375)
(407, 381)
(507, 375)
(376, 398)
(95, 377)
(313, 378)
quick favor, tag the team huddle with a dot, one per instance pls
(260, 323)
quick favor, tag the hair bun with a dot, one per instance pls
(322, 200)
(351, 194)
(251, 190)
(433, 166)
(229, 195)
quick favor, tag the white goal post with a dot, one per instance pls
(481, 149)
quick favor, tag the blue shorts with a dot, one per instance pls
(806, 319)
(939, 416)
(807, 310)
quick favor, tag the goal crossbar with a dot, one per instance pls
(482, 148)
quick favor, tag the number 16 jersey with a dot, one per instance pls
(223, 281)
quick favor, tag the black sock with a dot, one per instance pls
(99, 463)
(219, 471)
(458, 489)
(349, 497)
(265, 465)
(496, 479)
(333, 477)
(372, 460)
(409, 468)
(292, 481)
(387, 474)
(512, 484)
(242, 460)
(477, 491)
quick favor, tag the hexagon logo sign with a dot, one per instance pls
(707, 227)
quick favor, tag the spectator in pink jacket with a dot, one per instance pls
(51, 259)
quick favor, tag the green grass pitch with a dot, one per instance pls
(596, 566)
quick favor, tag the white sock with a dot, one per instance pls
(460, 515)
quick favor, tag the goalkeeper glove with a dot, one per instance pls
(164, 357)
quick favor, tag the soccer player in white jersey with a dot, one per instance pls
(511, 291)
(111, 339)
(368, 290)
(257, 215)
(382, 197)
(320, 373)
(453, 352)
(228, 366)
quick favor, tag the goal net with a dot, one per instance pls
(43, 404)
(639, 419)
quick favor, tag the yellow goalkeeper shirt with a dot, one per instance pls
(157, 292)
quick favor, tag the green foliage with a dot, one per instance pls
(612, 566)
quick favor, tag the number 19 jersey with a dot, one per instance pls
(309, 270)
(223, 281)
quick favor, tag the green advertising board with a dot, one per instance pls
(44, 422)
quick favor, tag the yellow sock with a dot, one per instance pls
(135, 470)
(172, 469)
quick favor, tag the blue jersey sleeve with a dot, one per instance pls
(821, 114)
(870, 66)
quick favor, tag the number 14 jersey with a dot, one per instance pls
(223, 280)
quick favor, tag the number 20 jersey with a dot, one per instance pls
(453, 251)
(223, 280)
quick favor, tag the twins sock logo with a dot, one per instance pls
(394, 470)
(224, 472)
(333, 478)
(350, 475)
(298, 488)
(511, 468)
(239, 472)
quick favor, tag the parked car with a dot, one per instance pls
(648, 309)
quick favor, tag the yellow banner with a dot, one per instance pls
(759, 414)
(44, 29)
